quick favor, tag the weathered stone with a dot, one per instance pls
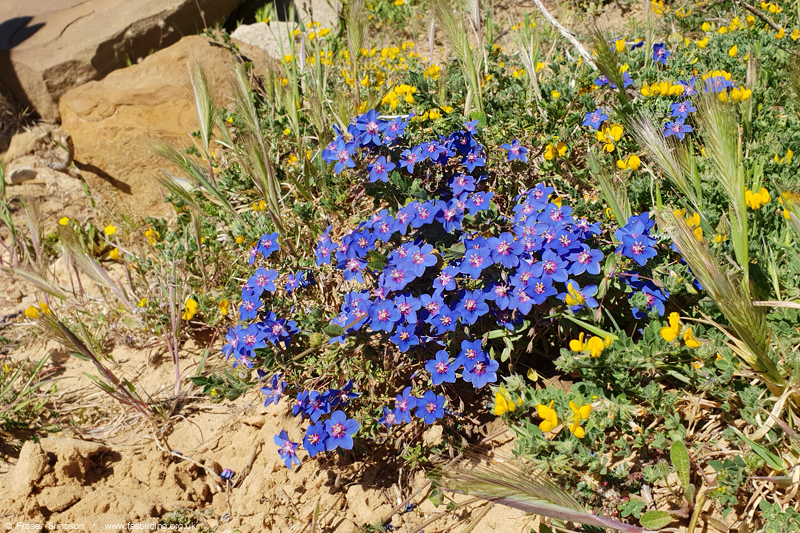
(113, 122)
(31, 466)
(50, 46)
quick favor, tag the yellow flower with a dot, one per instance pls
(323, 32)
(795, 34)
(689, 340)
(287, 131)
(503, 403)
(399, 2)
(539, 66)
(434, 114)
(596, 345)
(619, 45)
(754, 200)
(579, 414)
(577, 345)
(740, 94)
(561, 148)
(555, 94)
(734, 50)
(574, 296)
(63, 221)
(223, 307)
(609, 213)
(646, 89)
(151, 235)
(142, 303)
(446, 109)
(751, 20)
(706, 26)
(670, 333)
(114, 254)
(549, 416)
(719, 237)
(45, 308)
(632, 162)
(723, 96)
(549, 152)
(312, 36)
(240, 239)
(190, 309)
(702, 43)
(110, 230)
(723, 30)
(698, 233)
(780, 34)
(32, 312)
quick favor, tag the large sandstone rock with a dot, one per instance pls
(113, 122)
(50, 46)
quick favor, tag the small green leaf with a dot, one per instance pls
(655, 519)
(376, 261)
(436, 497)
(333, 330)
(772, 460)
(680, 462)
(480, 117)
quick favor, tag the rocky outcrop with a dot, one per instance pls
(51, 46)
(113, 122)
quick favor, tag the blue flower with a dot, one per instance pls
(340, 431)
(314, 441)
(403, 404)
(352, 268)
(441, 368)
(299, 405)
(287, 449)
(498, 293)
(677, 128)
(601, 80)
(342, 396)
(471, 306)
(660, 53)
(227, 474)
(587, 260)
(682, 109)
(409, 158)
(252, 338)
(446, 280)
(267, 244)
(231, 341)
(344, 152)
(472, 160)
(318, 404)
(551, 266)
(274, 390)
(445, 321)
(394, 129)
(388, 419)
(481, 372)
(475, 260)
(324, 251)
(408, 307)
(371, 126)
(521, 300)
(461, 183)
(384, 315)
(426, 213)
(430, 407)
(451, 216)
(636, 243)
(379, 170)
(432, 303)
(405, 337)
(262, 280)
(516, 151)
(419, 258)
(471, 352)
(505, 249)
(595, 118)
(540, 289)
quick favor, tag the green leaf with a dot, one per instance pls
(655, 519)
(480, 117)
(772, 460)
(680, 462)
(591, 328)
(376, 261)
(436, 496)
(333, 330)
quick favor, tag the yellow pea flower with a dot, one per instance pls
(323, 32)
(706, 26)
(114, 254)
(399, 2)
(110, 230)
(555, 94)
(670, 333)
(190, 309)
(689, 340)
(734, 51)
(549, 416)
(702, 43)
(577, 345)
(596, 346)
(503, 403)
(32, 312)
(574, 296)
(223, 307)
(561, 149)
(619, 45)
(578, 415)
(63, 221)
(142, 303)
(645, 89)
(539, 66)
(780, 34)
(549, 152)
(633, 162)
(240, 239)
(795, 34)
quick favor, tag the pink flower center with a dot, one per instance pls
(441, 368)
(337, 430)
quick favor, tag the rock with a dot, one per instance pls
(20, 173)
(31, 466)
(73, 456)
(56, 499)
(114, 121)
(50, 46)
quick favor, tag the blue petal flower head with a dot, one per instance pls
(475, 260)
(498, 293)
(463, 141)
(344, 156)
(432, 303)
(660, 53)
(481, 372)
(471, 126)
(362, 243)
(231, 341)
(584, 229)
(318, 404)
(405, 337)
(587, 260)
(446, 279)
(682, 109)
(314, 441)
(594, 118)
(370, 127)
(393, 130)
(688, 86)
(677, 128)
(408, 307)
(551, 266)
(430, 407)
(656, 296)
(340, 430)
(441, 369)
(636, 243)
(409, 158)
(473, 159)
(352, 268)
(227, 474)
(717, 84)
(268, 243)
(471, 351)
(451, 217)
(432, 150)
(262, 280)
(384, 315)
(426, 213)
(540, 289)
(380, 169)
(445, 321)
(516, 151)
(564, 242)
(461, 183)
(577, 298)
(388, 419)
(342, 396)
(249, 307)
(601, 80)
(273, 390)
(521, 300)
(637, 44)
(556, 213)
(478, 201)
(299, 405)
(287, 449)
(419, 258)
(324, 251)
(505, 249)
(471, 306)
(395, 278)
(251, 338)
(403, 405)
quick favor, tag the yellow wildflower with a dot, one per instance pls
(619, 45)
(689, 340)
(578, 415)
(223, 307)
(706, 26)
(780, 34)
(549, 416)
(32, 312)
(555, 94)
(190, 309)
(323, 32)
(561, 148)
(114, 254)
(142, 303)
(503, 403)
(63, 221)
(399, 2)
(702, 43)
(152, 235)
(539, 66)
(549, 152)
(110, 230)
(734, 51)
(754, 200)
(670, 333)
(795, 34)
